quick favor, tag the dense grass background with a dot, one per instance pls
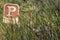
(42, 15)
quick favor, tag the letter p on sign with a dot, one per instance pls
(11, 13)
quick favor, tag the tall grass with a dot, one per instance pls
(41, 15)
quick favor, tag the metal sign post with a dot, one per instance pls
(10, 16)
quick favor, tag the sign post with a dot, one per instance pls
(10, 16)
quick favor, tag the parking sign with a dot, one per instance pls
(11, 13)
